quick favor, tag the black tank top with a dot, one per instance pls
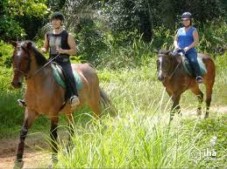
(57, 41)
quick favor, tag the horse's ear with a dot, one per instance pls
(29, 45)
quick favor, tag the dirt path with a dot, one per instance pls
(37, 154)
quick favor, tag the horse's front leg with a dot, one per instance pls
(71, 130)
(29, 117)
(53, 136)
(175, 107)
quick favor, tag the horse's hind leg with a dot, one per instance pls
(208, 99)
(94, 102)
(199, 95)
(209, 82)
(28, 120)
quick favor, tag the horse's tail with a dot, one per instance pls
(105, 101)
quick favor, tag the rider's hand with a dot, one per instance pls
(43, 50)
(186, 49)
(60, 50)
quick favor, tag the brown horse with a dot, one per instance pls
(176, 80)
(44, 95)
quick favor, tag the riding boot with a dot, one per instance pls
(197, 71)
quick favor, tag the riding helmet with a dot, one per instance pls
(57, 15)
(186, 15)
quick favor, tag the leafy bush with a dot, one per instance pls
(5, 55)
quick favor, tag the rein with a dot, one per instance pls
(46, 64)
(174, 71)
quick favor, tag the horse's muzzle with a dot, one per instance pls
(16, 84)
(161, 78)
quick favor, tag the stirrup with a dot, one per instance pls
(21, 102)
(74, 101)
(199, 79)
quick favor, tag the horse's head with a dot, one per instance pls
(165, 64)
(21, 61)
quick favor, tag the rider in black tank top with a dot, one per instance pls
(61, 44)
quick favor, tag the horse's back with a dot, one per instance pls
(210, 66)
(88, 75)
(85, 69)
(207, 60)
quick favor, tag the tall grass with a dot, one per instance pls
(140, 137)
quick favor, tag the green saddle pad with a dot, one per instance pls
(188, 68)
(59, 79)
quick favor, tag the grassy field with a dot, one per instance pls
(140, 136)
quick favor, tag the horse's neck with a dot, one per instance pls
(176, 66)
(39, 77)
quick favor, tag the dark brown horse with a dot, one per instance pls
(176, 80)
(44, 95)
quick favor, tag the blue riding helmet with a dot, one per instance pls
(186, 15)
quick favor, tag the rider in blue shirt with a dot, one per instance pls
(185, 40)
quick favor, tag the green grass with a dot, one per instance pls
(140, 137)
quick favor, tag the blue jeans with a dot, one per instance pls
(191, 55)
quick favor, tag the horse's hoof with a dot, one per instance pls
(21, 103)
(199, 112)
(18, 165)
(53, 164)
(206, 116)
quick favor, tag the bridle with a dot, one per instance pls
(174, 71)
(25, 73)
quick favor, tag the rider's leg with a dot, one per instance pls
(71, 90)
(192, 57)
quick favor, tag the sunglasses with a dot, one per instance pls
(185, 19)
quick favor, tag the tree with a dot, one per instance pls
(21, 18)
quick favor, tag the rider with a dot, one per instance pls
(185, 40)
(61, 45)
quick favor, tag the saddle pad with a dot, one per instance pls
(188, 68)
(57, 73)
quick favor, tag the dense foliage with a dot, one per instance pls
(104, 25)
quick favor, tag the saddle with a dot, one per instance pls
(186, 65)
(60, 79)
(188, 69)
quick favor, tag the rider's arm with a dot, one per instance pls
(195, 42)
(72, 46)
(175, 42)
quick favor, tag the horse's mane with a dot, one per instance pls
(40, 59)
